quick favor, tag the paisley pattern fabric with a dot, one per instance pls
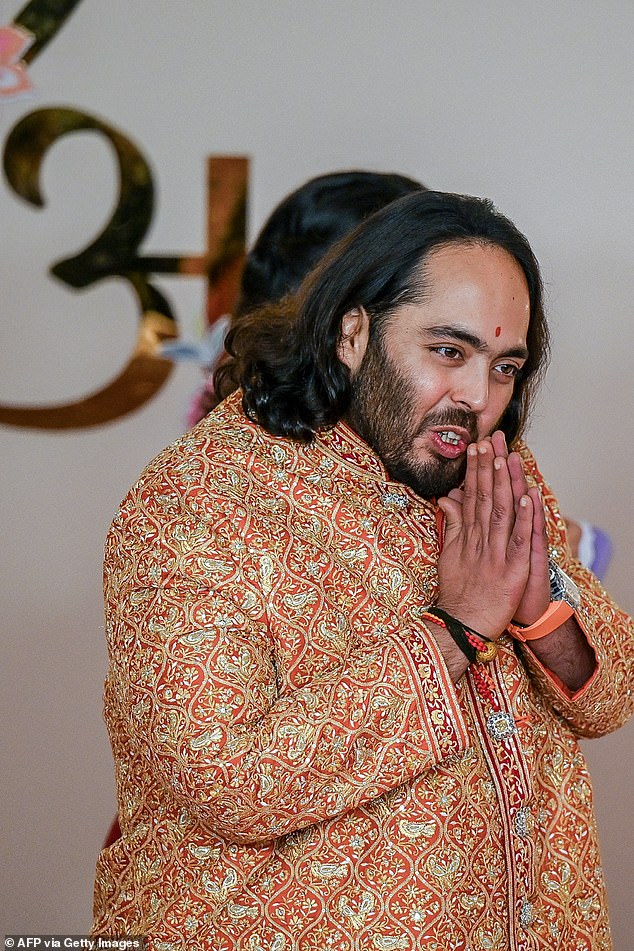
(295, 768)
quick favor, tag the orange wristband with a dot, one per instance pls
(553, 617)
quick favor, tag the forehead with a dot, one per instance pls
(478, 286)
(474, 292)
(479, 273)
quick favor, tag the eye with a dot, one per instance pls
(449, 353)
(508, 369)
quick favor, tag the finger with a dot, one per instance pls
(518, 479)
(537, 593)
(470, 485)
(503, 513)
(539, 537)
(498, 441)
(519, 547)
(484, 494)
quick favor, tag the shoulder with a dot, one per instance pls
(223, 460)
(221, 439)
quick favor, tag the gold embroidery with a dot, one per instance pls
(294, 766)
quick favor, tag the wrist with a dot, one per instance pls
(477, 651)
(565, 600)
(455, 661)
(475, 646)
(556, 614)
(473, 620)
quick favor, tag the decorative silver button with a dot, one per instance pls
(501, 726)
(526, 914)
(521, 821)
(394, 500)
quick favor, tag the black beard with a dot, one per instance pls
(380, 412)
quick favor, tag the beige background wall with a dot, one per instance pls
(530, 104)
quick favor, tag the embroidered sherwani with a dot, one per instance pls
(295, 767)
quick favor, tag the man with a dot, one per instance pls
(296, 235)
(345, 681)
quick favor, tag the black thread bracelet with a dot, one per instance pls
(458, 631)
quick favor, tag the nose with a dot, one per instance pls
(471, 388)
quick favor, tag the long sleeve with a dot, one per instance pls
(607, 701)
(242, 747)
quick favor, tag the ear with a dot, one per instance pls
(355, 333)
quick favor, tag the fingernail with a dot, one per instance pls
(497, 463)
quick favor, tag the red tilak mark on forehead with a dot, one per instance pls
(498, 331)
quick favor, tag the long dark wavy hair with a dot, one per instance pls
(294, 383)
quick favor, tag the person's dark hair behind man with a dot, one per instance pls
(296, 236)
(305, 225)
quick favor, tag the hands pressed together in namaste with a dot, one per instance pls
(493, 567)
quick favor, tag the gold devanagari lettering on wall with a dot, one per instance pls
(116, 251)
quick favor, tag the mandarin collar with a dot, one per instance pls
(349, 447)
(344, 444)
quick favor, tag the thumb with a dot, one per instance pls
(452, 510)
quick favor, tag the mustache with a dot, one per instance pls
(451, 417)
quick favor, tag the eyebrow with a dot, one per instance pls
(456, 332)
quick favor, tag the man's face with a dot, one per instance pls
(443, 371)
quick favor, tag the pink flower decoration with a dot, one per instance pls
(14, 79)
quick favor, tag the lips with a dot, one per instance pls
(450, 441)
